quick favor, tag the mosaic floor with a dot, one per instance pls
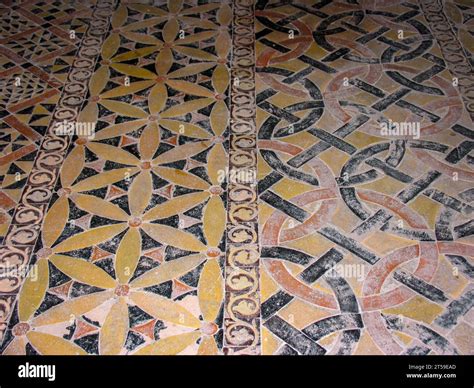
(194, 177)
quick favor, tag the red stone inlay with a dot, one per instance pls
(64, 192)
(209, 328)
(20, 329)
(217, 139)
(135, 222)
(215, 190)
(44, 252)
(145, 165)
(122, 290)
(213, 252)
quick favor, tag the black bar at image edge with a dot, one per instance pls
(367, 371)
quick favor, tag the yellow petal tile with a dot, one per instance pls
(133, 71)
(33, 290)
(200, 9)
(186, 107)
(98, 206)
(175, 206)
(113, 332)
(16, 347)
(140, 192)
(138, 53)
(214, 221)
(111, 45)
(124, 109)
(149, 141)
(190, 88)
(192, 69)
(89, 114)
(181, 178)
(170, 30)
(223, 45)
(114, 154)
(208, 347)
(157, 98)
(220, 79)
(164, 309)
(98, 80)
(211, 290)
(164, 61)
(71, 308)
(49, 345)
(174, 237)
(182, 152)
(104, 179)
(83, 271)
(130, 89)
(219, 117)
(175, 6)
(119, 129)
(120, 16)
(187, 129)
(89, 238)
(143, 8)
(55, 221)
(170, 345)
(195, 53)
(72, 166)
(224, 15)
(217, 162)
(168, 270)
(198, 37)
(195, 22)
(144, 23)
(127, 255)
(141, 38)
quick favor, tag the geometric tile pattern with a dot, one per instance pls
(134, 206)
(237, 194)
(17, 159)
(36, 53)
(363, 235)
(13, 23)
(461, 17)
(37, 44)
(13, 94)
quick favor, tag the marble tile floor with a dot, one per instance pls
(236, 177)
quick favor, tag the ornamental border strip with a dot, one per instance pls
(242, 325)
(453, 53)
(24, 230)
